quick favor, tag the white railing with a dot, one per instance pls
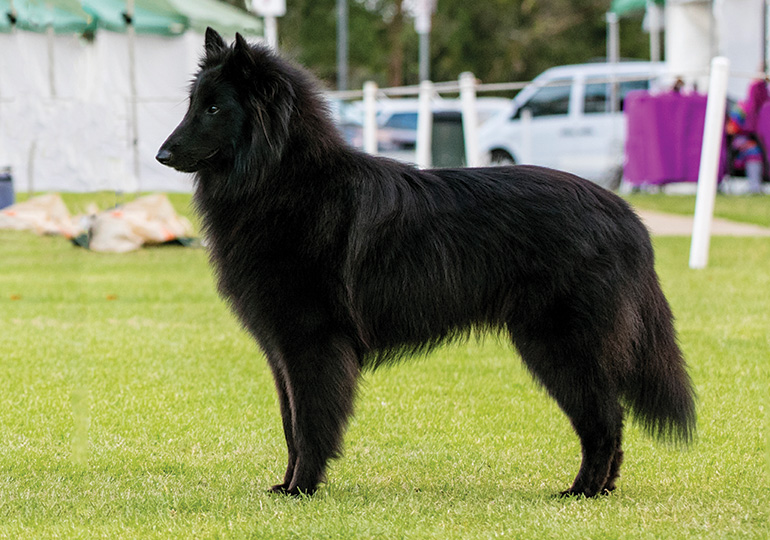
(467, 87)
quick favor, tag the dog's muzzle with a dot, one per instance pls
(164, 156)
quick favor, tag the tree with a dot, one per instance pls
(395, 31)
(308, 33)
(497, 40)
(501, 40)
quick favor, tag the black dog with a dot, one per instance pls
(336, 261)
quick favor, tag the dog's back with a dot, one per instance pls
(478, 246)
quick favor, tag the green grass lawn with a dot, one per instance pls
(135, 407)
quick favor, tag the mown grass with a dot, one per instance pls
(135, 407)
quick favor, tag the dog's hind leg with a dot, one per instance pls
(617, 461)
(591, 402)
(599, 440)
(320, 382)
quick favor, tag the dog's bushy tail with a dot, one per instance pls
(660, 392)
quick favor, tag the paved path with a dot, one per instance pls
(674, 225)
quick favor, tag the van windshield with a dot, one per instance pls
(551, 100)
(597, 94)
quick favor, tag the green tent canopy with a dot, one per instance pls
(163, 17)
(150, 16)
(64, 16)
(5, 16)
(626, 7)
(224, 18)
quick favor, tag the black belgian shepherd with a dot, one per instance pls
(337, 262)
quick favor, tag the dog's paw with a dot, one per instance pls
(571, 492)
(285, 489)
(279, 489)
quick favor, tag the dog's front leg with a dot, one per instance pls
(320, 385)
(281, 385)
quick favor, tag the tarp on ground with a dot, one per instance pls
(146, 221)
(46, 214)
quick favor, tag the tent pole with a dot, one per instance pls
(655, 18)
(764, 37)
(49, 32)
(342, 44)
(613, 55)
(271, 31)
(131, 33)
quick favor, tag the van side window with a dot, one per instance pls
(597, 95)
(549, 101)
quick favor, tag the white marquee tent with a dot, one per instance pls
(66, 116)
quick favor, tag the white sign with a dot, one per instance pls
(423, 11)
(269, 8)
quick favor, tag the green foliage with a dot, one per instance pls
(135, 407)
(498, 40)
(516, 40)
(308, 33)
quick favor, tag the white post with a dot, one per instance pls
(613, 37)
(270, 10)
(370, 117)
(526, 136)
(655, 22)
(424, 125)
(709, 162)
(342, 44)
(470, 119)
(613, 56)
(50, 35)
(271, 31)
(423, 11)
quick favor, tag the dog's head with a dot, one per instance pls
(240, 105)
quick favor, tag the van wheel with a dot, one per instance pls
(500, 158)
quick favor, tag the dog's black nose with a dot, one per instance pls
(164, 156)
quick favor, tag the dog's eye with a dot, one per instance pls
(212, 110)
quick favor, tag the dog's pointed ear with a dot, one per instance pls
(242, 46)
(243, 55)
(214, 42)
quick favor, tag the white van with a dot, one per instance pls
(574, 126)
